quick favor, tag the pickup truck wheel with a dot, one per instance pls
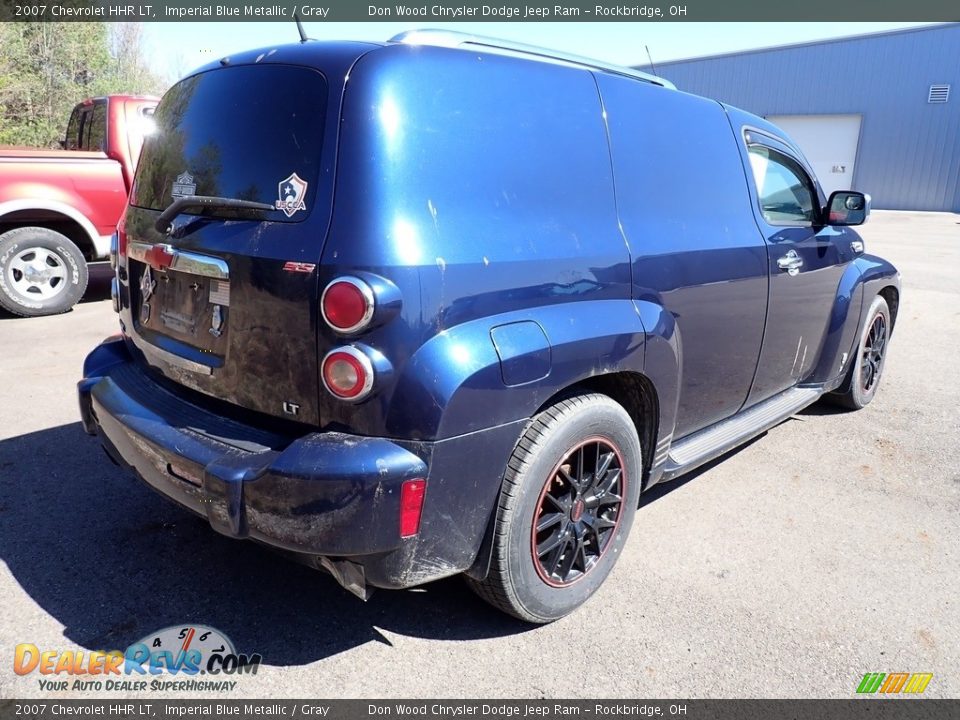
(41, 272)
(866, 369)
(568, 500)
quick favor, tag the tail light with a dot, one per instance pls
(118, 243)
(347, 373)
(411, 506)
(347, 304)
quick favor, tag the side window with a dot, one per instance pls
(96, 130)
(83, 136)
(72, 139)
(785, 191)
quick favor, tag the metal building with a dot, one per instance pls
(877, 113)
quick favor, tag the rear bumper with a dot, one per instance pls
(321, 495)
(326, 494)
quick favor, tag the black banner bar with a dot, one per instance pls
(174, 709)
(470, 11)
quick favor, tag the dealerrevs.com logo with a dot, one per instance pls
(185, 658)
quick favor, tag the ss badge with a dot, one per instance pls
(290, 408)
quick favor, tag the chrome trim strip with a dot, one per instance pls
(197, 264)
(183, 260)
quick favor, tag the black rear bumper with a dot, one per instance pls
(322, 494)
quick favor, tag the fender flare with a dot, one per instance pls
(663, 367)
(100, 244)
(841, 332)
(454, 384)
(866, 276)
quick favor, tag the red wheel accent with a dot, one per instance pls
(578, 512)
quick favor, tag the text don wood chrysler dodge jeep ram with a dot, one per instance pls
(437, 306)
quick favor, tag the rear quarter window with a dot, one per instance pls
(247, 132)
(95, 129)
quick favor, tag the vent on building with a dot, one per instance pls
(938, 94)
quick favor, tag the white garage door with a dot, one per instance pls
(829, 143)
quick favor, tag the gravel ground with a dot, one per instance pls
(827, 548)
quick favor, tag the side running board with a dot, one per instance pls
(704, 445)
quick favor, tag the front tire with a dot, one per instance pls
(41, 272)
(863, 378)
(568, 501)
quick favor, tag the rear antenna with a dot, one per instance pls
(303, 34)
(649, 57)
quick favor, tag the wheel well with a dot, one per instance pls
(52, 220)
(892, 297)
(638, 397)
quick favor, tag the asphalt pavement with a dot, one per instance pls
(823, 550)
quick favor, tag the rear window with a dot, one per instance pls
(95, 129)
(248, 132)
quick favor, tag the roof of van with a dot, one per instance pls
(453, 39)
(305, 53)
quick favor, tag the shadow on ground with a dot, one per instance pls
(112, 561)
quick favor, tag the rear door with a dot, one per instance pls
(805, 263)
(226, 302)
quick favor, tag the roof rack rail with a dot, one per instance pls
(453, 39)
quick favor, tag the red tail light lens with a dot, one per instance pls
(347, 304)
(347, 373)
(411, 506)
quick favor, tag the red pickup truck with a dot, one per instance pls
(58, 208)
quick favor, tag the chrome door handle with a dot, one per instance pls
(791, 262)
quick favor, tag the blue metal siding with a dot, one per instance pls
(909, 152)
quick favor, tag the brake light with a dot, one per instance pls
(411, 506)
(347, 373)
(347, 304)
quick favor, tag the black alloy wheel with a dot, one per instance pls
(578, 512)
(871, 360)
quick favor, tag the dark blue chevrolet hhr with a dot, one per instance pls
(449, 305)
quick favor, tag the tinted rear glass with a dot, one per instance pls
(95, 131)
(248, 132)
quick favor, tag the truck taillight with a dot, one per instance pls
(118, 243)
(347, 373)
(347, 304)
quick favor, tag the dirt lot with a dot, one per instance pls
(828, 548)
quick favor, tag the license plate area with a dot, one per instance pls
(187, 307)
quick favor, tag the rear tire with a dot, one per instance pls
(41, 272)
(560, 524)
(866, 368)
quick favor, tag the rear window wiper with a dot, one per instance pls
(203, 202)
